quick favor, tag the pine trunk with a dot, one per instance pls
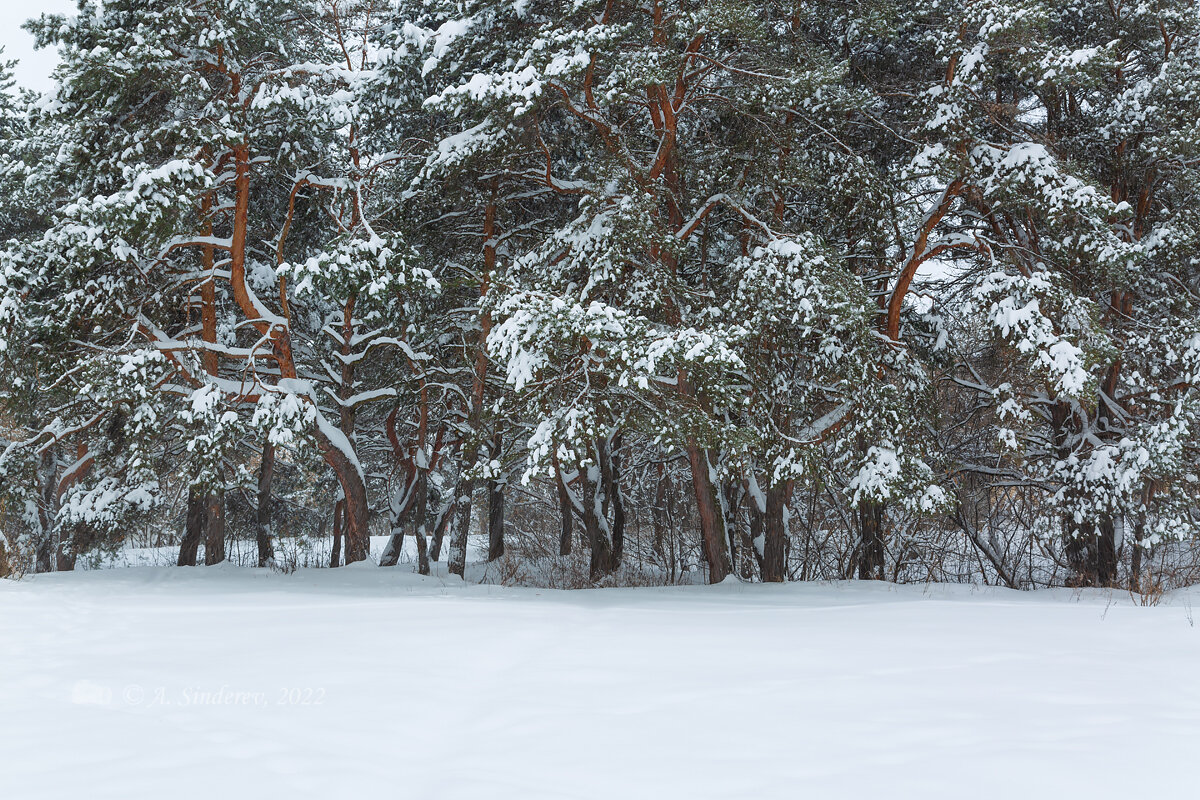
(774, 557)
(47, 510)
(335, 553)
(659, 514)
(871, 551)
(420, 519)
(758, 537)
(1091, 551)
(566, 512)
(214, 528)
(602, 557)
(356, 529)
(262, 528)
(439, 531)
(462, 528)
(613, 491)
(401, 502)
(193, 533)
(495, 523)
(422, 552)
(712, 519)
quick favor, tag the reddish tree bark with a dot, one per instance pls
(712, 518)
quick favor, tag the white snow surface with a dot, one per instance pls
(226, 682)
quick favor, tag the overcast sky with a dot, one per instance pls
(33, 71)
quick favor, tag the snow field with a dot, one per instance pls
(363, 682)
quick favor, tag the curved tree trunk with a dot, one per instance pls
(395, 544)
(335, 553)
(444, 517)
(356, 511)
(712, 517)
(598, 488)
(399, 507)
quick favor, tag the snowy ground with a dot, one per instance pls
(364, 682)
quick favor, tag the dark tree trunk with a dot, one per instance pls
(1106, 553)
(420, 521)
(712, 518)
(44, 550)
(599, 539)
(1135, 565)
(396, 518)
(659, 515)
(750, 556)
(618, 507)
(68, 546)
(194, 529)
(335, 553)
(672, 550)
(732, 496)
(758, 539)
(262, 527)
(774, 558)
(871, 551)
(422, 551)
(1139, 535)
(462, 527)
(47, 511)
(495, 521)
(1091, 551)
(395, 544)
(445, 515)
(1092, 545)
(610, 493)
(64, 554)
(214, 528)
(567, 512)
